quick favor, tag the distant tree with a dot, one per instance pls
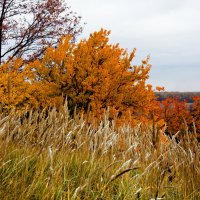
(176, 114)
(28, 27)
(181, 95)
(196, 113)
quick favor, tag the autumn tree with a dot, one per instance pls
(176, 114)
(196, 113)
(95, 75)
(13, 87)
(28, 27)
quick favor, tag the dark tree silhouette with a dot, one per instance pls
(27, 27)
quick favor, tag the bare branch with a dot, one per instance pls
(27, 28)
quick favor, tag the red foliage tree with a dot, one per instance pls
(196, 113)
(176, 114)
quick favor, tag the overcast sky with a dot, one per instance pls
(168, 30)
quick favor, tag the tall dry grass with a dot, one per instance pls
(50, 155)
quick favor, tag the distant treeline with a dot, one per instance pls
(181, 95)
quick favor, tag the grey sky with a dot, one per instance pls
(168, 30)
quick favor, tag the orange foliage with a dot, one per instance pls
(160, 88)
(176, 114)
(93, 75)
(13, 87)
(196, 113)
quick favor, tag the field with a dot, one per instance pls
(50, 155)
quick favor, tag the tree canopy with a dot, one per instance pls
(28, 27)
(92, 74)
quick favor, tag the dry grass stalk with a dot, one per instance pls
(85, 162)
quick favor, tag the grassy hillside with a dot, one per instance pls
(50, 155)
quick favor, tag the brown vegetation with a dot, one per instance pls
(49, 155)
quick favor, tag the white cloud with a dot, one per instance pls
(167, 29)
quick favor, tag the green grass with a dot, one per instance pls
(59, 157)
